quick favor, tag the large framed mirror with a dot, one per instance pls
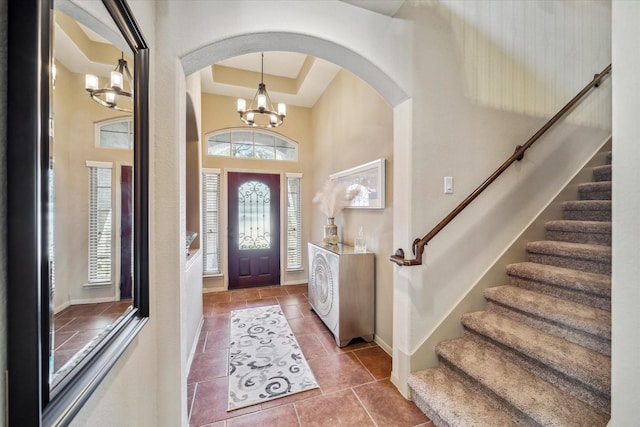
(77, 193)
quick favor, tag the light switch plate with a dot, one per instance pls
(448, 185)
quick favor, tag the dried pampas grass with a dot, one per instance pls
(331, 200)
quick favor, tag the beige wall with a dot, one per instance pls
(75, 115)
(219, 112)
(352, 125)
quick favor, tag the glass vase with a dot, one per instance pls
(330, 232)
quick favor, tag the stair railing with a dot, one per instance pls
(419, 244)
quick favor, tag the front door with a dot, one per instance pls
(254, 229)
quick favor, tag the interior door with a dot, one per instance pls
(254, 229)
(126, 232)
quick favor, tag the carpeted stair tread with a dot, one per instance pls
(571, 315)
(539, 400)
(587, 210)
(599, 284)
(591, 232)
(581, 256)
(595, 190)
(572, 360)
(609, 157)
(602, 173)
(451, 403)
(579, 226)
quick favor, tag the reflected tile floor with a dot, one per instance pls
(355, 389)
(77, 325)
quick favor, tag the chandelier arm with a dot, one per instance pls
(95, 95)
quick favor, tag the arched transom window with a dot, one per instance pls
(115, 133)
(251, 144)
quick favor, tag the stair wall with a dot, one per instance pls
(425, 356)
(539, 352)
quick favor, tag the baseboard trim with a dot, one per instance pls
(383, 345)
(194, 344)
(91, 300)
(61, 307)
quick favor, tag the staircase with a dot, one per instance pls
(540, 354)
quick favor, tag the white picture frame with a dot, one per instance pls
(364, 185)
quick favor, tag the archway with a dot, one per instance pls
(321, 48)
(350, 60)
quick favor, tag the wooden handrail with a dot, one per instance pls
(419, 244)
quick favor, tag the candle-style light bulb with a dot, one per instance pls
(242, 106)
(282, 109)
(90, 82)
(262, 102)
(116, 79)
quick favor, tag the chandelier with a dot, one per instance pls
(112, 96)
(261, 112)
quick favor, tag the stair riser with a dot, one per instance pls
(424, 406)
(587, 215)
(590, 266)
(595, 343)
(579, 237)
(497, 401)
(595, 195)
(598, 398)
(598, 301)
(602, 174)
(442, 388)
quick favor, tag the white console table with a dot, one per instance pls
(341, 290)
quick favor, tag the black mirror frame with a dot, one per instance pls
(30, 400)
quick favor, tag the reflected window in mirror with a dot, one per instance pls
(115, 133)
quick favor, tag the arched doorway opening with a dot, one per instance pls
(350, 60)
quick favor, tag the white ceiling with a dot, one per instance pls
(283, 64)
(384, 7)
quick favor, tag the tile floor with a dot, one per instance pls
(354, 381)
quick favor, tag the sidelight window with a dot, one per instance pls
(100, 222)
(294, 219)
(211, 221)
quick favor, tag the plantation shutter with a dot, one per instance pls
(294, 218)
(210, 222)
(100, 223)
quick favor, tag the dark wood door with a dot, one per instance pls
(254, 229)
(126, 230)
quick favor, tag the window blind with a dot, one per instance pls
(210, 222)
(100, 224)
(294, 218)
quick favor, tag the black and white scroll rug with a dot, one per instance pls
(265, 360)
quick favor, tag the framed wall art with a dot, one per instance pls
(364, 185)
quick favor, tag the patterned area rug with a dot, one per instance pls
(265, 360)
